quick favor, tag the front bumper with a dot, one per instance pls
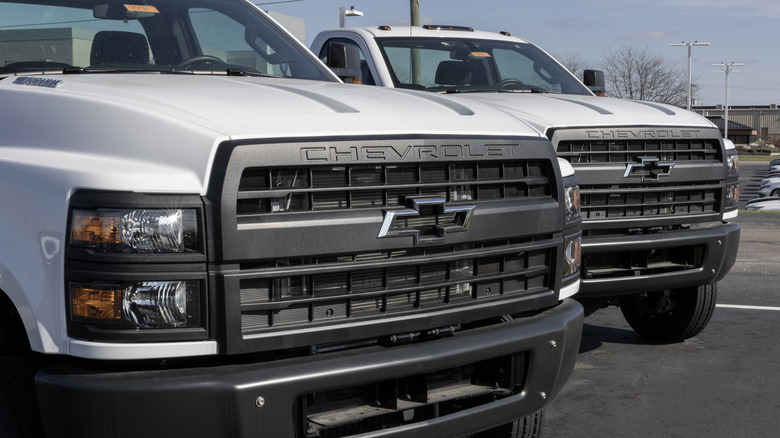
(717, 246)
(259, 399)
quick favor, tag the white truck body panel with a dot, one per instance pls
(542, 111)
(41, 163)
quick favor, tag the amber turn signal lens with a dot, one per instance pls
(94, 228)
(94, 303)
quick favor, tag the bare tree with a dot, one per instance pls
(637, 73)
(574, 62)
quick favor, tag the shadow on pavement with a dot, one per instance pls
(594, 336)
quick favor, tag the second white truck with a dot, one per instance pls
(659, 184)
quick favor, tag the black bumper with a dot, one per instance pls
(258, 400)
(719, 243)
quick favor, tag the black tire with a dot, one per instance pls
(775, 193)
(526, 427)
(670, 315)
(19, 417)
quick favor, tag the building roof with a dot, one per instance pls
(733, 126)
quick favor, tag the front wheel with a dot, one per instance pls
(19, 416)
(670, 315)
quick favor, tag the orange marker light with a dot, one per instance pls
(91, 303)
(141, 8)
(92, 228)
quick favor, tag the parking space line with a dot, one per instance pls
(739, 306)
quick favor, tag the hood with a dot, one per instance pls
(548, 111)
(152, 123)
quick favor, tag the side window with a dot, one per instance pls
(402, 61)
(367, 77)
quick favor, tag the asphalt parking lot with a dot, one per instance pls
(722, 383)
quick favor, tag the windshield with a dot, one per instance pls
(464, 65)
(218, 36)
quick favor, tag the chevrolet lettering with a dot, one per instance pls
(627, 134)
(408, 152)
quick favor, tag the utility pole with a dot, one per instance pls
(414, 8)
(690, 45)
(416, 61)
(727, 68)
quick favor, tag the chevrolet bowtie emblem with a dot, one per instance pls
(427, 220)
(650, 169)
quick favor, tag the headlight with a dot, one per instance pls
(572, 257)
(733, 162)
(732, 196)
(140, 305)
(572, 199)
(135, 231)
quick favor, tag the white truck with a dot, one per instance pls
(204, 234)
(658, 183)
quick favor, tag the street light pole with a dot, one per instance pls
(344, 13)
(727, 68)
(690, 45)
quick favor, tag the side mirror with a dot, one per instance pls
(594, 79)
(344, 60)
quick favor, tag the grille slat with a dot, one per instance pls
(607, 202)
(267, 191)
(630, 151)
(345, 289)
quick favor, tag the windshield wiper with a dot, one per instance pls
(257, 74)
(525, 90)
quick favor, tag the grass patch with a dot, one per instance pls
(759, 212)
(751, 157)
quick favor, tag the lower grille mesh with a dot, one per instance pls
(604, 202)
(336, 289)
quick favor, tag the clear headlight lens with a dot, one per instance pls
(572, 257)
(146, 304)
(733, 163)
(572, 199)
(732, 195)
(135, 231)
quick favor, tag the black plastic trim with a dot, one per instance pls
(88, 200)
(356, 231)
(720, 242)
(87, 266)
(257, 399)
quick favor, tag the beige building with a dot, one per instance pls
(72, 45)
(68, 45)
(758, 121)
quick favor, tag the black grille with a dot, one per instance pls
(321, 188)
(631, 151)
(634, 263)
(412, 399)
(337, 289)
(335, 242)
(618, 201)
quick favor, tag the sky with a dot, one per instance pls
(739, 31)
